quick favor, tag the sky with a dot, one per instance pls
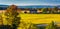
(30, 2)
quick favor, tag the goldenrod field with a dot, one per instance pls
(40, 18)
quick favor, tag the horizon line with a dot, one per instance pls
(32, 4)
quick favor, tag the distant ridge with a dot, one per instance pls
(4, 5)
(30, 6)
(36, 6)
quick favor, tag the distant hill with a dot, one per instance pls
(2, 7)
(36, 6)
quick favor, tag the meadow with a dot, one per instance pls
(40, 18)
(36, 19)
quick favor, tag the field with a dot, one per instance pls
(40, 18)
(37, 19)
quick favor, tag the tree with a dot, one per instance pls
(52, 25)
(12, 16)
(45, 10)
(55, 9)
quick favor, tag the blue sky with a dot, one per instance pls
(30, 2)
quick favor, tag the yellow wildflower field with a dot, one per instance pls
(40, 18)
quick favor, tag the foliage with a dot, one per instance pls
(12, 16)
(25, 25)
(45, 10)
(52, 25)
(55, 9)
(1, 19)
